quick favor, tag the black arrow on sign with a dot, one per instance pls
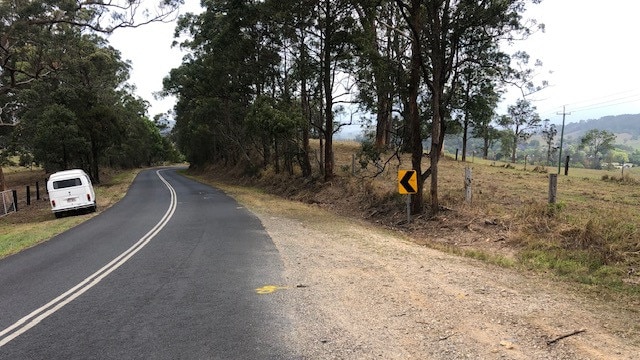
(405, 182)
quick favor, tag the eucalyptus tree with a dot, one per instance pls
(30, 31)
(484, 129)
(85, 97)
(445, 35)
(335, 29)
(297, 31)
(597, 143)
(381, 44)
(233, 61)
(478, 99)
(521, 123)
(549, 132)
(275, 130)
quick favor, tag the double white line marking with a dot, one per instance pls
(31, 320)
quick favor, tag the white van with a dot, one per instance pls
(70, 190)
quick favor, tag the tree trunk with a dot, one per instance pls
(435, 148)
(415, 134)
(328, 145)
(3, 185)
(276, 151)
(513, 149)
(437, 58)
(328, 95)
(383, 121)
(367, 16)
(485, 148)
(305, 163)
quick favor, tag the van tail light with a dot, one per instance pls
(88, 197)
(53, 203)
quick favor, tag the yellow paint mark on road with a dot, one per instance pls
(268, 289)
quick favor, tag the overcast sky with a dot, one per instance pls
(152, 57)
(590, 46)
(589, 52)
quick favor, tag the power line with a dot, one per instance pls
(589, 102)
(598, 102)
(612, 102)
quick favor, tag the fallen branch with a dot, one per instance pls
(553, 341)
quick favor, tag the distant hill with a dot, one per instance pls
(626, 128)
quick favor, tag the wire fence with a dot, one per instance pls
(7, 202)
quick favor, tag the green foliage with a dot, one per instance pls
(598, 143)
(275, 130)
(82, 116)
(63, 86)
(369, 152)
(58, 142)
(634, 157)
(617, 155)
(521, 123)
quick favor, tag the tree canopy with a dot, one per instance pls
(255, 67)
(597, 143)
(64, 99)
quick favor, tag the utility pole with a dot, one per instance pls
(564, 113)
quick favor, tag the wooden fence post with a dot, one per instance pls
(15, 199)
(467, 185)
(553, 188)
(28, 195)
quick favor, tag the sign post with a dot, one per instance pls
(407, 185)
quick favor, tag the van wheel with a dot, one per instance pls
(58, 215)
(93, 208)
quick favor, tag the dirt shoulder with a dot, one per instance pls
(360, 292)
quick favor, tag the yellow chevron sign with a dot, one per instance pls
(407, 182)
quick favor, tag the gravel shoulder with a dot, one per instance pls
(358, 292)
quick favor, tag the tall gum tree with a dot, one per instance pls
(449, 34)
(377, 62)
(521, 123)
(335, 26)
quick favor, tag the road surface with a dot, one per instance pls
(172, 271)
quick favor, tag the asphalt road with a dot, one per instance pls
(170, 272)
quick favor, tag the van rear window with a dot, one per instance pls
(61, 184)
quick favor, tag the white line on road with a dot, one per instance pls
(31, 320)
